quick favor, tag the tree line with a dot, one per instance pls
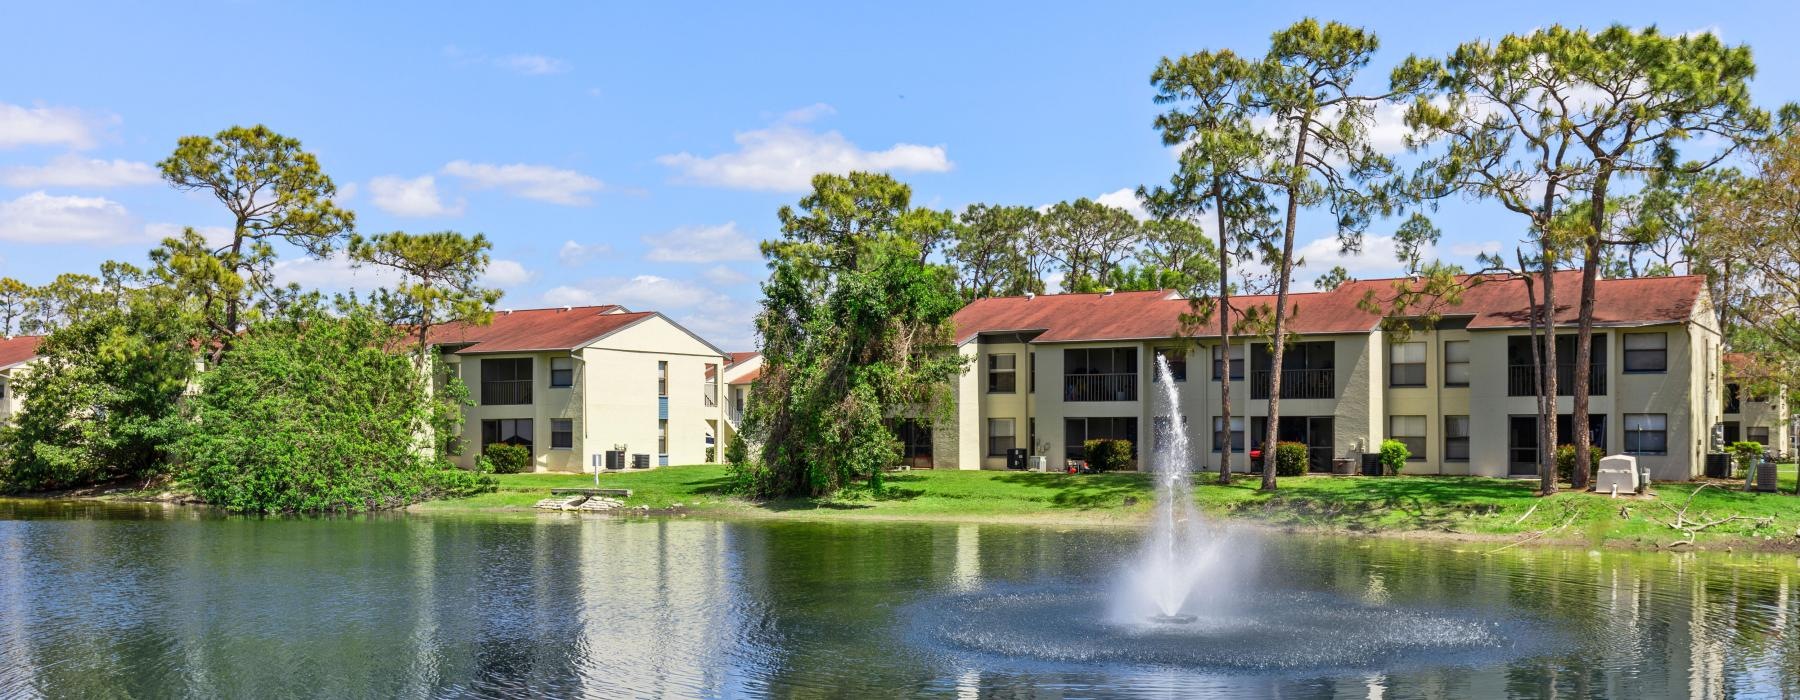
(201, 367)
(1578, 134)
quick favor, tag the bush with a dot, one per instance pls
(1393, 457)
(1108, 455)
(507, 458)
(736, 452)
(710, 451)
(1565, 461)
(1746, 454)
(320, 415)
(1292, 458)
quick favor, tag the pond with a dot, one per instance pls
(108, 600)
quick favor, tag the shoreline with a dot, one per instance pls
(1292, 510)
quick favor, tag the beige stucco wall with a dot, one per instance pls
(10, 401)
(614, 400)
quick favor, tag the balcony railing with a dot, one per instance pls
(712, 394)
(1521, 380)
(1295, 383)
(1100, 387)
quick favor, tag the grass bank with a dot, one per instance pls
(1499, 509)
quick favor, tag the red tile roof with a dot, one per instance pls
(18, 349)
(741, 357)
(1495, 303)
(537, 329)
(747, 378)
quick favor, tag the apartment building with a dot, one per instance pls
(583, 384)
(1049, 372)
(15, 353)
(1754, 416)
(740, 373)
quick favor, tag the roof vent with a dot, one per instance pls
(506, 312)
(1107, 293)
(1030, 295)
(567, 307)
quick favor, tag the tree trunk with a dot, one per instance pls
(1584, 337)
(1224, 339)
(1279, 341)
(1547, 388)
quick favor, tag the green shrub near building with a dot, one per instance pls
(1108, 455)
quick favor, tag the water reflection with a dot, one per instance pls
(129, 601)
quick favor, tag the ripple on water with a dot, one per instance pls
(1275, 632)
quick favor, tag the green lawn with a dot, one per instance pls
(1458, 505)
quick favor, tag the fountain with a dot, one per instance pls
(1179, 552)
(1193, 596)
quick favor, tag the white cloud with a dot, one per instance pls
(701, 244)
(48, 126)
(506, 273)
(573, 253)
(724, 276)
(532, 64)
(1470, 250)
(1376, 259)
(1126, 199)
(75, 171)
(539, 182)
(42, 218)
(334, 274)
(416, 197)
(345, 193)
(785, 156)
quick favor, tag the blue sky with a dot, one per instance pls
(633, 153)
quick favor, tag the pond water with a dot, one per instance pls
(150, 601)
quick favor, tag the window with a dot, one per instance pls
(2, 390)
(562, 371)
(1733, 399)
(662, 378)
(1410, 430)
(1456, 363)
(1456, 438)
(737, 399)
(1003, 374)
(1646, 352)
(915, 441)
(1077, 431)
(512, 431)
(1159, 427)
(1000, 436)
(1646, 433)
(562, 433)
(1031, 359)
(506, 382)
(1237, 433)
(662, 436)
(1237, 362)
(1177, 361)
(1406, 364)
(1758, 434)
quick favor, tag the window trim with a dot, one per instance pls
(1625, 347)
(1012, 425)
(570, 422)
(1468, 429)
(1237, 361)
(1466, 363)
(1664, 432)
(569, 372)
(994, 372)
(1424, 438)
(1239, 436)
(1395, 363)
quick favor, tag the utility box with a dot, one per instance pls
(1040, 463)
(1617, 474)
(1371, 464)
(1766, 481)
(615, 459)
(640, 461)
(1718, 465)
(1015, 459)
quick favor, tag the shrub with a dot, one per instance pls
(710, 451)
(1565, 461)
(1746, 454)
(1291, 458)
(321, 415)
(1108, 455)
(506, 458)
(736, 452)
(1393, 457)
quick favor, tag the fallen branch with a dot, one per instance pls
(1528, 513)
(1535, 535)
(1692, 527)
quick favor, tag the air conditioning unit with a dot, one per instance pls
(1040, 463)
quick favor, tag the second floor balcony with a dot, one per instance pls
(1521, 380)
(1117, 386)
(1295, 383)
